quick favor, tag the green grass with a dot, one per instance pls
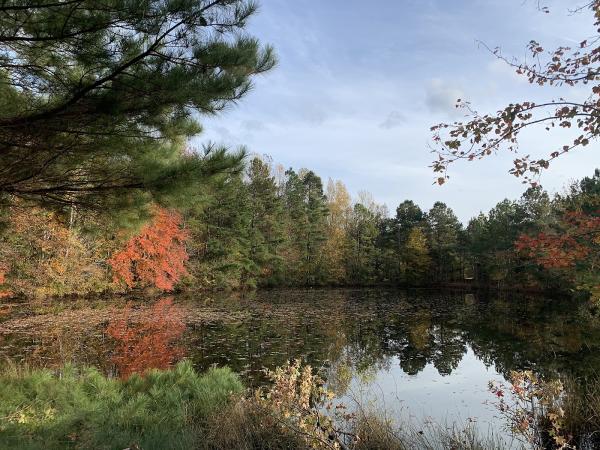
(81, 409)
(181, 409)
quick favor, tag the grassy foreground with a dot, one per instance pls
(181, 409)
(83, 409)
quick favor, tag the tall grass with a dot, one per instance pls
(181, 409)
(582, 412)
(40, 409)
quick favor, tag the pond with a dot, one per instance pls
(422, 355)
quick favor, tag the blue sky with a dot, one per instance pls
(359, 83)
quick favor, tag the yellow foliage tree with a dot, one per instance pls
(417, 261)
(339, 206)
(43, 255)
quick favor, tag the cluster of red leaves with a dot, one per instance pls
(156, 256)
(575, 242)
(150, 343)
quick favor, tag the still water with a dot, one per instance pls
(424, 356)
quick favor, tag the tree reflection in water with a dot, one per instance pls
(149, 343)
(365, 330)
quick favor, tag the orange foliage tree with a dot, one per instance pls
(156, 256)
(150, 342)
(572, 249)
(573, 243)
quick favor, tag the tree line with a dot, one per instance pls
(263, 226)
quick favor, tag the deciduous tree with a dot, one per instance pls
(336, 246)
(156, 256)
(485, 134)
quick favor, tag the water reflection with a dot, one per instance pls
(431, 396)
(151, 342)
(441, 346)
(418, 329)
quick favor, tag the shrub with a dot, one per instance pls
(551, 413)
(246, 425)
(40, 409)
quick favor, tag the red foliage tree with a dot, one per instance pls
(149, 343)
(577, 240)
(156, 256)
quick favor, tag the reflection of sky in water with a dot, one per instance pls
(461, 398)
(386, 334)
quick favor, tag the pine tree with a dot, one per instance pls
(408, 216)
(101, 97)
(266, 222)
(363, 253)
(307, 214)
(444, 230)
(220, 226)
(417, 261)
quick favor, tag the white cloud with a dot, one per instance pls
(441, 97)
(393, 120)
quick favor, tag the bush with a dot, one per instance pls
(247, 425)
(40, 409)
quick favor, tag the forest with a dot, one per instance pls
(264, 226)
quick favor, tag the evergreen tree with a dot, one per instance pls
(535, 207)
(388, 263)
(293, 195)
(444, 231)
(314, 234)
(100, 97)
(266, 218)
(221, 236)
(363, 251)
(417, 261)
(478, 244)
(492, 241)
(307, 209)
(408, 217)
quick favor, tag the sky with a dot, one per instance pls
(359, 84)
